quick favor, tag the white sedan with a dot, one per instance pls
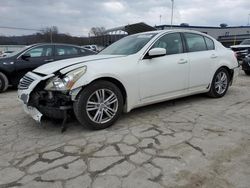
(135, 71)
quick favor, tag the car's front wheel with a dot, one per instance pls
(99, 105)
(4, 83)
(247, 72)
(219, 84)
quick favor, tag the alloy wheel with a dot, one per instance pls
(102, 106)
(221, 82)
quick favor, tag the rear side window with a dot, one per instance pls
(66, 50)
(171, 42)
(210, 43)
(41, 51)
(195, 42)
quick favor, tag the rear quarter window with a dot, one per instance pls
(210, 43)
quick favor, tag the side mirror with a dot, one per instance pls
(157, 52)
(25, 56)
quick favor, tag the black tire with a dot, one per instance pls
(4, 83)
(247, 72)
(212, 92)
(81, 104)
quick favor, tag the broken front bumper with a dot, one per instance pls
(26, 86)
(33, 112)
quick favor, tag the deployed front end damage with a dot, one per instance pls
(49, 96)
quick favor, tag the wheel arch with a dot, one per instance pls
(109, 79)
(6, 74)
(230, 72)
(117, 83)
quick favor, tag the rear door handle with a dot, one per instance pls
(48, 60)
(182, 61)
(214, 56)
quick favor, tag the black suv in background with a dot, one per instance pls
(246, 65)
(242, 49)
(15, 66)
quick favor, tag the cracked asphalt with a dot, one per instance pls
(190, 142)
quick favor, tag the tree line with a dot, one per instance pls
(51, 34)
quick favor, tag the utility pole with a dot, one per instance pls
(51, 40)
(160, 19)
(248, 23)
(172, 13)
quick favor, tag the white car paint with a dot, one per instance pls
(147, 81)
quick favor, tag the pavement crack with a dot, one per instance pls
(39, 179)
(197, 148)
(170, 157)
(214, 131)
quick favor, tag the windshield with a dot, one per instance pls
(128, 45)
(245, 42)
(17, 51)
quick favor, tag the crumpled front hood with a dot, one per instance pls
(61, 64)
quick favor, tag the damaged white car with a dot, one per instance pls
(135, 71)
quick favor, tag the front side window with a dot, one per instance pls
(41, 51)
(66, 50)
(171, 42)
(195, 42)
(210, 43)
(128, 45)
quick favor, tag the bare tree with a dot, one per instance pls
(97, 31)
(50, 33)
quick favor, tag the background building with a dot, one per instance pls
(226, 35)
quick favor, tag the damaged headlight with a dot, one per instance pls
(67, 82)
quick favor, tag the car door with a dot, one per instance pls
(66, 51)
(165, 76)
(33, 58)
(201, 60)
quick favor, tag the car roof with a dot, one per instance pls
(46, 43)
(175, 30)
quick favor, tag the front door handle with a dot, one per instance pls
(48, 60)
(182, 61)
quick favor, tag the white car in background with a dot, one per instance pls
(91, 47)
(135, 71)
(6, 53)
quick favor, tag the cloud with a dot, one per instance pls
(78, 16)
(114, 6)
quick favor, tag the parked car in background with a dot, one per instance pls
(91, 47)
(242, 49)
(17, 64)
(6, 53)
(135, 71)
(246, 64)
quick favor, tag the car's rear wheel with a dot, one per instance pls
(99, 105)
(219, 84)
(247, 72)
(4, 83)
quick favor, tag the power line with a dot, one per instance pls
(20, 28)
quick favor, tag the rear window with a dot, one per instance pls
(195, 42)
(66, 50)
